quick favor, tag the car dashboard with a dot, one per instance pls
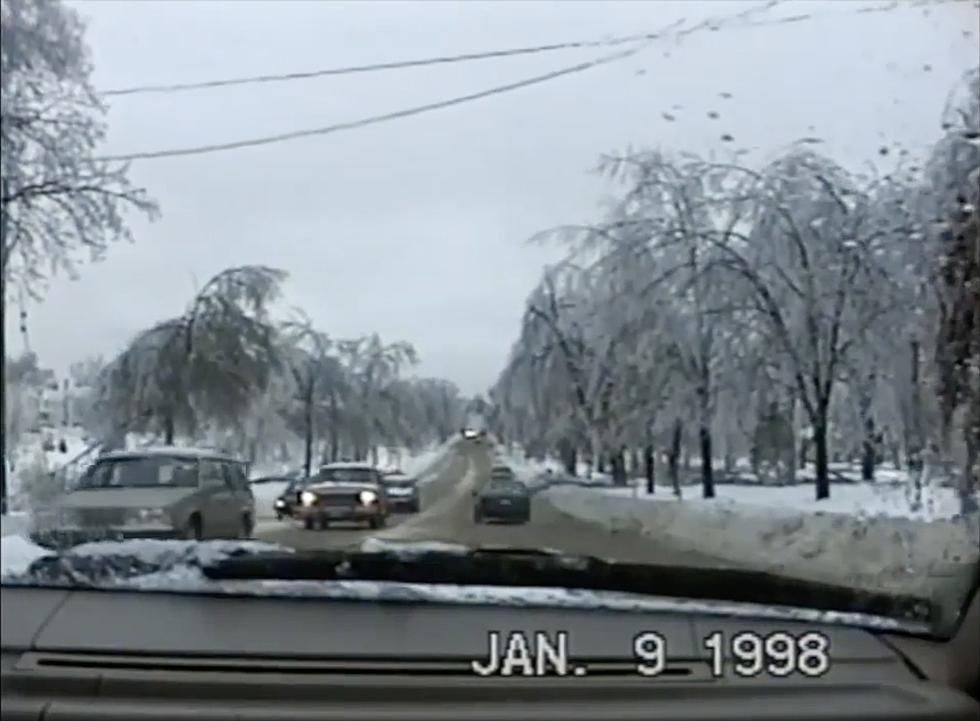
(88, 654)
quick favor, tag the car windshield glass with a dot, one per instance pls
(141, 473)
(346, 475)
(398, 483)
(697, 279)
(505, 486)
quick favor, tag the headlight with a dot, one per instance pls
(307, 498)
(280, 503)
(148, 515)
(368, 497)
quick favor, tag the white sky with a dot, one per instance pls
(416, 229)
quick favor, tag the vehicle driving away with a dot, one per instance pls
(165, 492)
(502, 499)
(402, 491)
(623, 353)
(343, 492)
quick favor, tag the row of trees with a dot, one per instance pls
(223, 368)
(225, 372)
(789, 312)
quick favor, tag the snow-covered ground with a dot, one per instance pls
(867, 534)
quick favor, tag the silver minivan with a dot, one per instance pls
(165, 492)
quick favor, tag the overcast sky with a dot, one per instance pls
(417, 229)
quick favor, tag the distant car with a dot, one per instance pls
(470, 434)
(503, 500)
(343, 492)
(402, 491)
(287, 500)
(164, 492)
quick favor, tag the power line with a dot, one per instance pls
(375, 67)
(649, 38)
(375, 119)
(423, 62)
(439, 105)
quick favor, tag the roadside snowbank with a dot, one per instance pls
(895, 554)
(863, 500)
(17, 554)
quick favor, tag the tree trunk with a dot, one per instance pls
(649, 463)
(707, 472)
(334, 430)
(618, 463)
(820, 451)
(169, 430)
(869, 450)
(569, 457)
(674, 454)
(971, 474)
(729, 458)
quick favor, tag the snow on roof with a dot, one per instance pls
(398, 477)
(179, 451)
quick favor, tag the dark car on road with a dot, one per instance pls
(503, 499)
(402, 491)
(287, 500)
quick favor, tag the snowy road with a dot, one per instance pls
(447, 513)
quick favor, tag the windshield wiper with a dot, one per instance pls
(502, 566)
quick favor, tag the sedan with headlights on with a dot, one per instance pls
(343, 492)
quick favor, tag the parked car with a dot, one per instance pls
(164, 492)
(402, 491)
(502, 499)
(343, 492)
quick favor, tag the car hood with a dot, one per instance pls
(124, 497)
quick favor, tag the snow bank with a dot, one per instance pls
(862, 500)
(874, 552)
(17, 554)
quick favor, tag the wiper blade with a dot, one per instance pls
(504, 566)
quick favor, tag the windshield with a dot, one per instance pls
(140, 473)
(398, 483)
(502, 486)
(346, 475)
(698, 279)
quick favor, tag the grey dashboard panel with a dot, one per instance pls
(23, 614)
(104, 655)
